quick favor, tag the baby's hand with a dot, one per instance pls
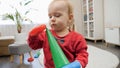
(36, 30)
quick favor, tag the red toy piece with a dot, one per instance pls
(30, 59)
(37, 30)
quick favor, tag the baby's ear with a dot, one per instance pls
(70, 16)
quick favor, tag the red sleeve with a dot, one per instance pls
(36, 42)
(81, 52)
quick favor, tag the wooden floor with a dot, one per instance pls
(5, 63)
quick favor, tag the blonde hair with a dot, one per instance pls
(70, 11)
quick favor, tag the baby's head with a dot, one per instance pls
(61, 14)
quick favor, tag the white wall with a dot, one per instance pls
(78, 15)
(112, 13)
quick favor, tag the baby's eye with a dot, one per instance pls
(57, 15)
(50, 16)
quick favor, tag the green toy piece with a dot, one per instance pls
(58, 56)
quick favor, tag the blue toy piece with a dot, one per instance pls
(37, 55)
(74, 64)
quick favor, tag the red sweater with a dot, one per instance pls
(73, 45)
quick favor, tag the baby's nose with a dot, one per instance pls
(53, 19)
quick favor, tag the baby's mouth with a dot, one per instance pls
(53, 25)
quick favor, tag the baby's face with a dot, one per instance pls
(58, 15)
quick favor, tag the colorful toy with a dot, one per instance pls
(74, 64)
(30, 59)
(37, 30)
(37, 55)
(58, 56)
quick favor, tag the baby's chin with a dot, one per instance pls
(55, 29)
